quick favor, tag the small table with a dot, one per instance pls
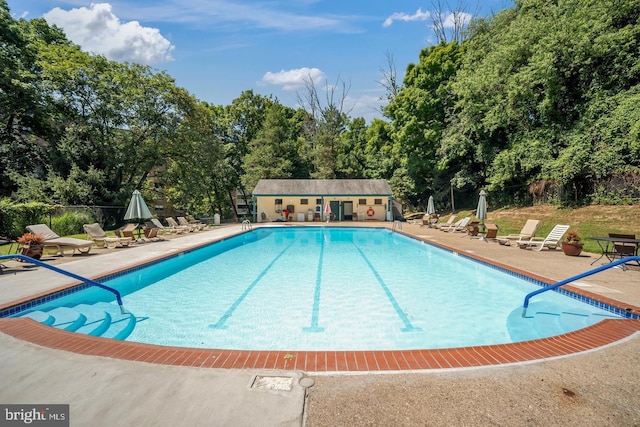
(607, 246)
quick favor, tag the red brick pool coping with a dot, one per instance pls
(606, 332)
(601, 334)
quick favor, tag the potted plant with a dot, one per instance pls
(572, 243)
(31, 245)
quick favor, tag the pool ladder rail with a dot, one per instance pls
(397, 225)
(576, 277)
(246, 225)
(70, 274)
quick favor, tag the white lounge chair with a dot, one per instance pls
(449, 223)
(458, 226)
(60, 244)
(174, 224)
(528, 231)
(100, 238)
(195, 226)
(162, 229)
(552, 240)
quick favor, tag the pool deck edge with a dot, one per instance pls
(601, 334)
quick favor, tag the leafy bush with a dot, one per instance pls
(7, 219)
(71, 222)
(14, 217)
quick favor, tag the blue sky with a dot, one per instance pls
(216, 49)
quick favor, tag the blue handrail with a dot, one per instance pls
(68, 273)
(576, 277)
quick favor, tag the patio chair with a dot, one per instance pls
(151, 232)
(165, 230)
(527, 232)
(623, 249)
(195, 226)
(100, 238)
(60, 244)
(553, 239)
(449, 223)
(174, 224)
(473, 228)
(127, 231)
(458, 226)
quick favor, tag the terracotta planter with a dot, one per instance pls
(572, 249)
(34, 251)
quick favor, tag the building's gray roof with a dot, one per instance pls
(322, 187)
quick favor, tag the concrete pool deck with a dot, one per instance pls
(610, 387)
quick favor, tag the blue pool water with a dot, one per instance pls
(320, 288)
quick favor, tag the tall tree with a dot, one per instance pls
(420, 112)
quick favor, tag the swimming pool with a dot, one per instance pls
(292, 288)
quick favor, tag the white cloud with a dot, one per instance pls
(366, 106)
(295, 79)
(455, 19)
(399, 16)
(99, 31)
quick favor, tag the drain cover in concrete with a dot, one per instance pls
(272, 383)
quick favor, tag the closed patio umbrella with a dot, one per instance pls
(327, 211)
(138, 209)
(481, 210)
(431, 208)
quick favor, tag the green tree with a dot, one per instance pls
(274, 152)
(419, 114)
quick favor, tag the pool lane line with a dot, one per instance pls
(220, 324)
(408, 327)
(315, 313)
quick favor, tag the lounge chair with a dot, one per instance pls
(458, 226)
(174, 224)
(162, 229)
(527, 232)
(60, 244)
(151, 233)
(553, 239)
(127, 231)
(100, 238)
(195, 226)
(449, 223)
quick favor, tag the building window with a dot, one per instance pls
(362, 201)
(304, 201)
(318, 201)
(377, 201)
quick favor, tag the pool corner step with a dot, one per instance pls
(121, 325)
(98, 320)
(67, 318)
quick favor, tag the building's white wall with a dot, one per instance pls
(361, 211)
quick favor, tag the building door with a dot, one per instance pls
(335, 210)
(347, 209)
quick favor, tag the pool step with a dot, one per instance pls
(100, 319)
(67, 318)
(546, 320)
(121, 324)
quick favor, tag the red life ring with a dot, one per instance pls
(370, 212)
